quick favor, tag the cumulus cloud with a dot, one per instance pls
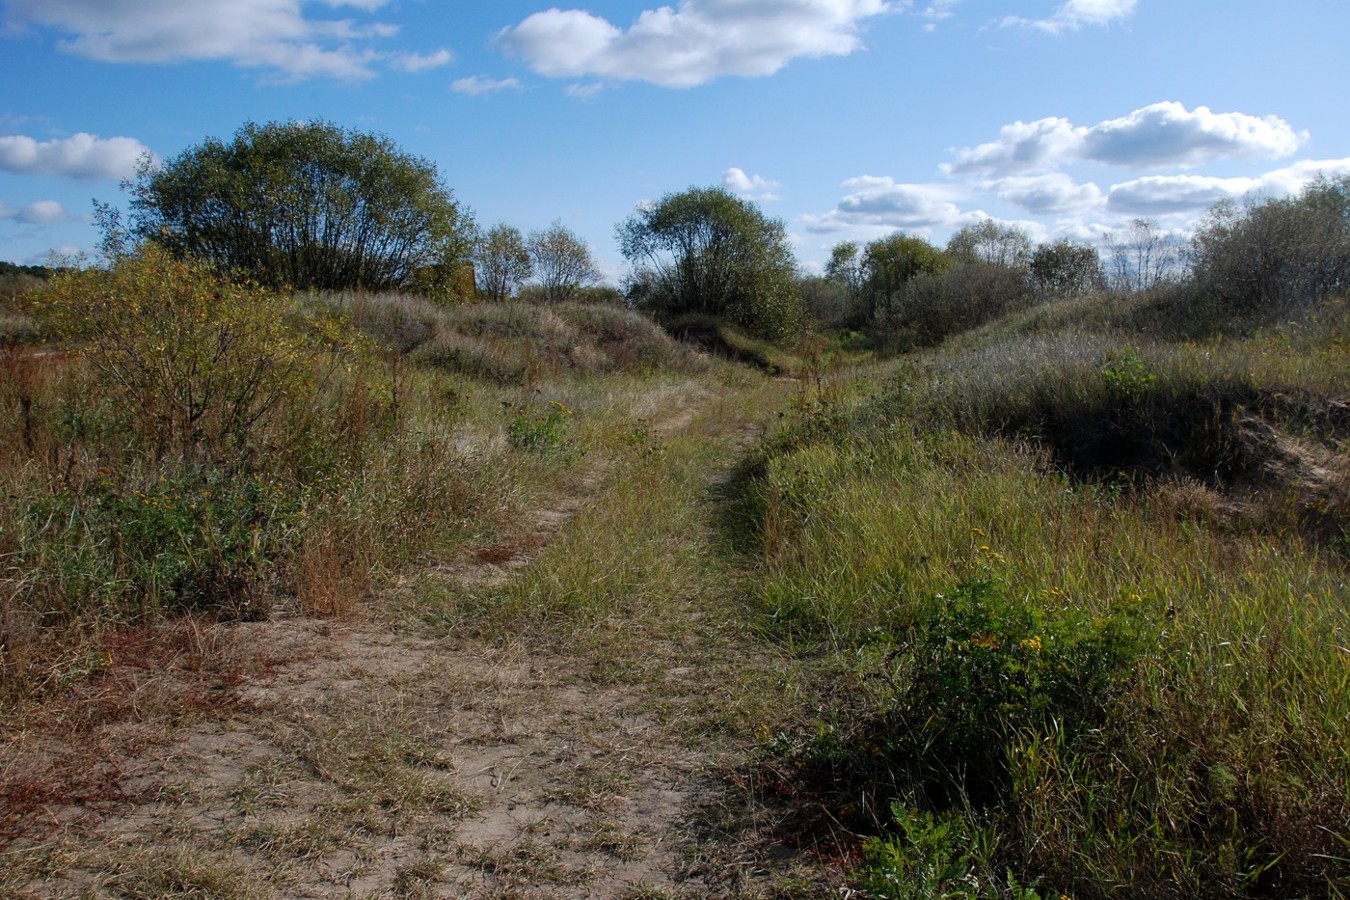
(1161, 195)
(1159, 134)
(1049, 194)
(751, 187)
(274, 35)
(881, 203)
(82, 156)
(477, 84)
(1077, 14)
(43, 212)
(692, 44)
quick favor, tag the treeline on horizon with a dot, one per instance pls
(314, 206)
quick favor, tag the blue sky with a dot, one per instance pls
(847, 119)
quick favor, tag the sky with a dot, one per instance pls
(846, 119)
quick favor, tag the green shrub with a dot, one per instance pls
(934, 855)
(184, 541)
(539, 429)
(982, 668)
(205, 370)
(932, 306)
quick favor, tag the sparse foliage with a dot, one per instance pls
(1143, 257)
(993, 243)
(704, 250)
(204, 364)
(503, 262)
(562, 262)
(303, 205)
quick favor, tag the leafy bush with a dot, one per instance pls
(183, 541)
(707, 251)
(982, 668)
(542, 429)
(205, 369)
(934, 855)
(1270, 259)
(935, 305)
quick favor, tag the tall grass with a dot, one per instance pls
(944, 533)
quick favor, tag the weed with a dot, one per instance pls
(539, 429)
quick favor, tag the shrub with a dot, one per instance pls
(1270, 259)
(935, 305)
(184, 540)
(205, 369)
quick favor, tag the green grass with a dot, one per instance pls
(1212, 754)
(1067, 596)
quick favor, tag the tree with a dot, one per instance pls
(1143, 257)
(844, 272)
(706, 250)
(1279, 255)
(562, 262)
(888, 264)
(1065, 268)
(305, 205)
(992, 243)
(503, 262)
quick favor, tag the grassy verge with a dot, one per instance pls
(1071, 683)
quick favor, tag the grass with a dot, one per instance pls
(1211, 754)
(1056, 607)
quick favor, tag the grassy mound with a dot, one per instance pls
(516, 343)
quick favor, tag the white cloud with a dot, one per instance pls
(692, 44)
(81, 156)
(1076, 14)
(1052, 193)
(937, 11)
(880, 203)
(477, 84)
(751, 187)
(43, 212)
(418, 62)
(275, 35)
(1021, 147)
(1161, 195)
(583, 91)
(1168, 134)
(1159, 134)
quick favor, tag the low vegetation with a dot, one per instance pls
(1028, 588)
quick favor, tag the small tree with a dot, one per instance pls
(888, 264)
(1143, 257)
(1278, 255)
(503, 262)
(304, 205)
(706, 250)
(1064, 268)
(992, 243)
(562, 262)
